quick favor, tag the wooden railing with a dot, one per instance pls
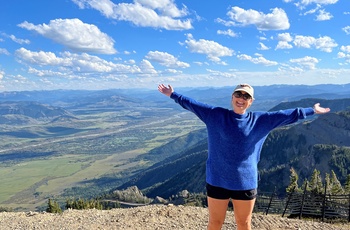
(305, 205)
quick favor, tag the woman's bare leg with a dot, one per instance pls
(217, 213)
(243, 210)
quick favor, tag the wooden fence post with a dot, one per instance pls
(349, 209)
(302, 202)
(324, 203)
(268, 207)
(289, 198)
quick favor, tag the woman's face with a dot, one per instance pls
(241, 101)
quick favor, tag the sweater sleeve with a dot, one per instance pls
(289, 116)
(201, 110)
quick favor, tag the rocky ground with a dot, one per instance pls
(150, 217)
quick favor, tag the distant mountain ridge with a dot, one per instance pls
(29, 112)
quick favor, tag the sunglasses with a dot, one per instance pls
(239, 94)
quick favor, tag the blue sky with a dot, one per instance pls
(104, 44)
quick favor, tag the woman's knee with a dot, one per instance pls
(243, 222)
(215, 224)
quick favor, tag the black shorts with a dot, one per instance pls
(223, 194)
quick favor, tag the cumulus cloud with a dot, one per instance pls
(325, 44)
(276, 20)
(147, 68)
(307, 62)
(75, 35)
(40, 58)
(4, 51)
(228, 32)
(18, 40)
(213, 50)
(283, 41)
(144, 13)
(263, 46)
(346, 29)
(345, 54)
(256, 60)
(166, 59)
(72, 62)
(320, 2)
(323, 16)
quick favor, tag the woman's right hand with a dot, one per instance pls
(165, 90)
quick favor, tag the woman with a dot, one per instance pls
(235, 139)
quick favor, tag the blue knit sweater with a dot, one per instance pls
(235, 140)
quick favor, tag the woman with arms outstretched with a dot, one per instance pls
(235, 140)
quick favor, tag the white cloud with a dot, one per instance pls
(104, 6)
(75, 35)
(173, 71)
(74, 63)
(325, 43)
(213, 50)
(145, 13)
(166, 59)
(283, 45)
(286, 37)
(345, 54)
(323, 16)
(320, 2)
(263, 46)
(216, 74)
(276, 20)
(307, 62)
(257, 60)
(2, 73)
(346, 29)
(40, 58)
(228, 32)
(283, 41)
(147, 68)
(345, 49)
(4, 51)
(18, 40)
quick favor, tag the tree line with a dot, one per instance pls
(330, 185)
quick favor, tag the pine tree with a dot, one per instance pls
(305, 184)
(315, 184)
(53, 207)
(293, 184)
(347, 185)
(328, 184)
(337, 189)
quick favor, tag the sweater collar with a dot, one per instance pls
(240, 116)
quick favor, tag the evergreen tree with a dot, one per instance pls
(328, 184)
(305, 185)
(347, 185)
(53, 207)
(337, 189)
(293, 184)
(315, 184)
